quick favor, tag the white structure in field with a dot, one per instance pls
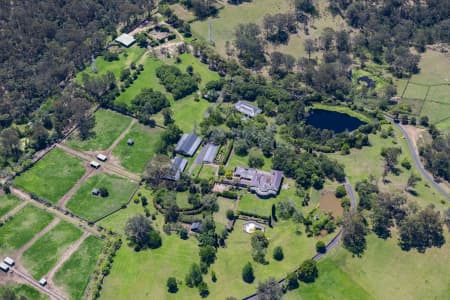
(251, 227)
(126, 40)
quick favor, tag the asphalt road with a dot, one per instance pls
(418, 162)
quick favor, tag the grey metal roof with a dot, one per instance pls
(208, 154)
(247, 108)
(178, 166)
(188, 144)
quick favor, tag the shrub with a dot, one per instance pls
(247, 273)
(308, 271)
(172, 285)
(213, 276)
(292, 281)
(340, 191)
(230, 214)
(321, 247)
(103, 192)
(278, 253)
(183, 233)
(203, 289)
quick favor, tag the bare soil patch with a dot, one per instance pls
(415, 134)
(330, 203)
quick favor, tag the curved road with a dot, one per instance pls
(417, 160)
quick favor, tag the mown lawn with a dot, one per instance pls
(23, 290)
(147, 79)
(91, 207)
(208, 172)
(135, 157)
(75, 273)
(415, 91)
(45, 252)
(143, 275)
(7, 202)
(52, 176)
(383, 272)
(220, 217)
(187, 59)
(242, 161)
(116, 222)
(129, 55)
(108, 126)
(24, 225)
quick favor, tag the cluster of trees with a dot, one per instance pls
(201, 8)
(148, 102)
(176, 82)
(418, 228)
(141, 233)
(437, 156)
(278, 27)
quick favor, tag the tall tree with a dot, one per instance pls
(354, 230)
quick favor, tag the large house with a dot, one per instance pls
(264, 184)
(188, 144)
(247, 109)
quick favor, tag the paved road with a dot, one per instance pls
(418, 162)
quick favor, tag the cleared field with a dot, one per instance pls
(116, 222)
(147, 79)
(384, 265)
(108, 126)
(364, 162)
(444, 125)
(415, 91)
(434, 68)
(440, 93)
(7, 202)
(52, 176)
(135, 157)
(187, 59)
(75, 273)
(333, 283)
(25, 224)
(435, 111)
(127, 56)
(45, 252)
(143, 275)
(91, 207)
(414, 104)
(22, 290)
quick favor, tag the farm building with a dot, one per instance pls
(125, 39)
(196, 227)
(188, 144)
(247, 109)
(178, 165)
(101, 157)
(9, 261)
(251, 227)
(208, 154)
(94, 164)
(95, 192)
(4, 267)
(264, 184)
(130, 142)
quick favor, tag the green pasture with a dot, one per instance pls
(434, 68)
(75, 273)
(7, 202)
(441, 94)
(435, 111)
(91, 207)
(116, 222)
(415, 91)
(108, 127)
(53, 176)
(135, 157)
(23, 290)
(45, 252)
(24, 225)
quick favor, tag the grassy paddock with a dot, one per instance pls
(45, 252)
(220, 217)
(25, 224)
(52, 176)
(415, 91)
(444, 125)
(135, 157)
(7, 202)
(108, 126)
(440, 93)
(23, 290)
(91, 207)
(75, 273)
(434, 68)
(435, 111)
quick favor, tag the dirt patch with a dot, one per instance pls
(219, 188)
(114, 160)
(330, 203)
(415, 134)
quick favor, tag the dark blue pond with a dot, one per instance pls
(331, 120)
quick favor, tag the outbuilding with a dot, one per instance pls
(43, 281)
(130, 142)
(95, 192)
(247, 109)
(101, 157)
(94, 164)
(188, 144)
(9, 261)
(4, 267)
(126, 39)
(196, 227)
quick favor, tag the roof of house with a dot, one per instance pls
(125, 39)
(262, 183)
(247, 108)
(188, 144)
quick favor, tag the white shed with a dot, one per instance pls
(9, 261)
(4, 267)
(126, 39)
(101, 157)
(43, 281)
(94, 164)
